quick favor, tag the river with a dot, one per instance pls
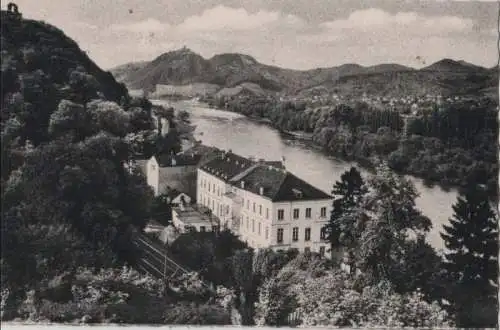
(246, 137)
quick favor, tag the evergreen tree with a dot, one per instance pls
(471, 259)
(349, 192)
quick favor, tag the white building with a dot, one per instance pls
(267, 206)
(171, 171)
(186, 218)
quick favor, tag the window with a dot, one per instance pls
(307, 234)
(322, 234)
(209, 187)
(248, 204)
(218, 191)
(295, 234)
(281, 214)
(259, 229)
(267, 232)
(296, 213)
(227, 209)
(215, 229)
(253, 207)
(323, 212)
(203, 229)
(213, 205)
(267, 213)
(307, 250)
(213, 188)
(322, 251)
(260, 209)
(308, 213)
(253, 225)
(280, 235)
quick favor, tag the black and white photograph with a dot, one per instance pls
(250, 163)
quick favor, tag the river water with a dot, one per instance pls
(246, 137)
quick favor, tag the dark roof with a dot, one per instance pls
(206, 153)
(293, 188)
(275, 163)
(180, 160)
(280, 185)
(200, 149)
(277, 183)
(226, 166)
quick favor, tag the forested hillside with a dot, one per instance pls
(184, 67)
(69, 206)
(450, 145)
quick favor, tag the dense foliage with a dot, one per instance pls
(448, 146)
(117, 296)
(208, 253)
(69, 205)
(309, 292)
(471, 238)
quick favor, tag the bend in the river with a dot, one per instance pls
(232, 131)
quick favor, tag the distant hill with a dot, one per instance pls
(448, 65)
(122, 71)
(227, 71)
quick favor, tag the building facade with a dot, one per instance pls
(263, 203)
(172, 172)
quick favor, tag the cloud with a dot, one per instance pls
(374, 18)
(366, 37)
(227, 18)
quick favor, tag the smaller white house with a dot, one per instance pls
(188, 218)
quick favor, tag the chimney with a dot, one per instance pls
(261, 191)
(242, 184)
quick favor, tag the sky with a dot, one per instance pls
(297, 34)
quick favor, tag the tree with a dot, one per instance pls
(109, 117)
(471, 260)
(70, 118)
(389, 219)
(350, 191)
(331, 300)
(419, 267)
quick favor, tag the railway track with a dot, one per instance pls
(155, 261)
